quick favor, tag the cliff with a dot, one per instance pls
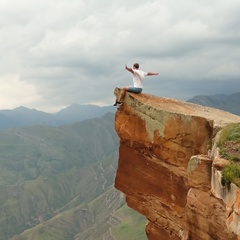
(170, 171)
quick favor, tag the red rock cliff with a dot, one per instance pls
(166, 168)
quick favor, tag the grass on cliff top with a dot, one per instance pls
(231, 173)
(229, 142)
(229, 147)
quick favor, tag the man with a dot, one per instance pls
(138, 76)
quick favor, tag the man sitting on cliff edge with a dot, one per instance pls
(138, 76)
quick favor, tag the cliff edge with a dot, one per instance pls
(170, 171)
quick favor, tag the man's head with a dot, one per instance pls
(136, 65)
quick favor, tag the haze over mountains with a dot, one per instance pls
(23, 116)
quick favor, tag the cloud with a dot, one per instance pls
(75, 51)
(15, 92)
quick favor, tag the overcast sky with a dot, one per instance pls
(58, 52)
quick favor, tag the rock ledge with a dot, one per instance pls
(168, 169)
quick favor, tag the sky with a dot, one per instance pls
(58, 52)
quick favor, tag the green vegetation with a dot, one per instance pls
(133, 226)
(229, 142)
(231, 173)
(229, 145)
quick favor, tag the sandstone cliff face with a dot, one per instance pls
(166, 168)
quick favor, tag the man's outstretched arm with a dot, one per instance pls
(152, 73)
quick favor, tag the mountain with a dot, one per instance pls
(57, 183)
(76, 113)
(23, 116)
(7, 122)
(224, 102)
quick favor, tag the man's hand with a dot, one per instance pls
(129, 69)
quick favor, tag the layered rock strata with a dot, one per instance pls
(165, 167)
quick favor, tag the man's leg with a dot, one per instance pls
(122, 94)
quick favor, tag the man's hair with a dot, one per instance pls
(136, 65)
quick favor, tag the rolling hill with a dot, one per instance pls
(57, 183)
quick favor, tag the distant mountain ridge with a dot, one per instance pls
(23, 116)
(229, 103)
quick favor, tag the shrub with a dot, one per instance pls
(229, 148)
(230, 132)
(229, 141)
(231, 173)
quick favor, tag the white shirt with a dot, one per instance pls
(138, 76)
